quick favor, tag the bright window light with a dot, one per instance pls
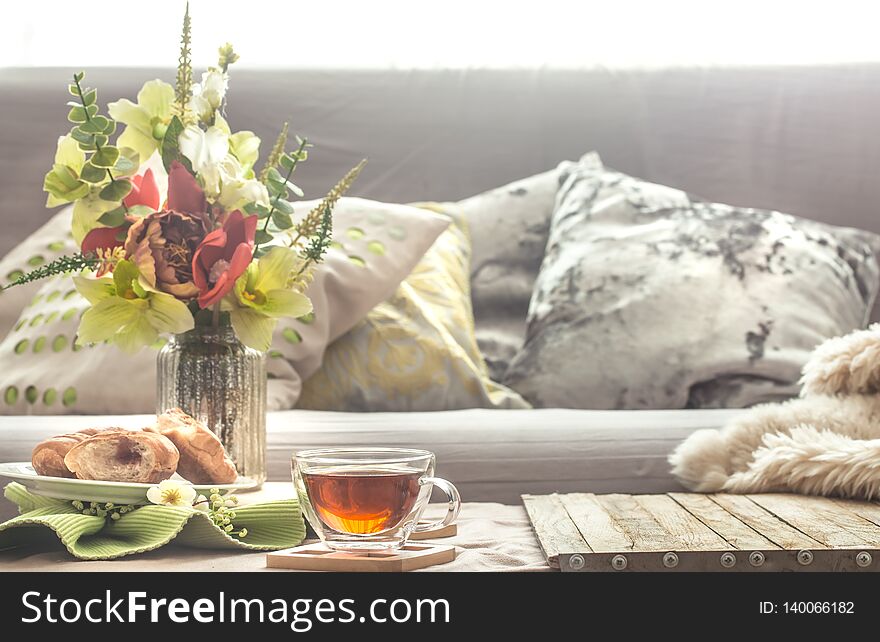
(450, 34)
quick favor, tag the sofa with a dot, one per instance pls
(798, 139)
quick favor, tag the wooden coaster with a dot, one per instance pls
(317, 557)
(449, 530)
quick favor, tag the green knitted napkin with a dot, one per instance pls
(270, 526)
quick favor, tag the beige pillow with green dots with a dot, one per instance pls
(43, 371)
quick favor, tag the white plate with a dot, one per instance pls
(96, 491)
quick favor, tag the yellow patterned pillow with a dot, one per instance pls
(417, 350)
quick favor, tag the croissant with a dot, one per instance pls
(135, 456)
(202, 458)
(47, 457)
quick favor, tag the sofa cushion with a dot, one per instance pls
(650, 298)
(509, 227)
(43, 370)
(416, 350)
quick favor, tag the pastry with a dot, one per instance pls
(134, 456)
(47, 457)
(202, 458)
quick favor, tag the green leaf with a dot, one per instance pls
(81, 136)
(96, 125)
(262, 237)
(123, 165)
(139, 210)
(255, 208)
(105, 157)
(101, 140)
(113, 218)
(284, 206)
(77, 77)
(110, 128)
(287, 162)
(77, 115)
(89, 96)
(92, 110)
(281, 220)
(276, 190)
(93, 174)
(170, 148)
(116, 190)
(73, 90)
(62, 183)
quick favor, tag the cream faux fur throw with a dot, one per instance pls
(825, 443)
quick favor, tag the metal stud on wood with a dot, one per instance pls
(728, 560)
(805, 558)
(864, 559)
(756, 558)
(576, 562)
(618, 562)
(670, 560)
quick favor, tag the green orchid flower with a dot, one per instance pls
(262, 295)
(128, 312)
(145, 121)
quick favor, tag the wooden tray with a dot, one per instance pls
(450, 530)
(693, 532)
(317, 557)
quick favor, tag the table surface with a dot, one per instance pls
(491, 537)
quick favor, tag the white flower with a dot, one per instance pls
(201, 503)
(236, 192)
(208, 95)
(213, 87)
(204, 149)
(171, 492)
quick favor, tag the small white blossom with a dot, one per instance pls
(171, 492)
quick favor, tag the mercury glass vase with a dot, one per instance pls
(210, 375)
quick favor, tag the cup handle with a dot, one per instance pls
(454, 503)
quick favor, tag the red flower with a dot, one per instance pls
(144, 191)
(184, 193)
(222, 257)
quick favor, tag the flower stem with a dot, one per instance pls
(302, 146)
(82, 101)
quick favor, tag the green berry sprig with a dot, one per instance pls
(221, 511)
(106, 510)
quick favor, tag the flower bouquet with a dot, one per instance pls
(175, 224)
(180, 235)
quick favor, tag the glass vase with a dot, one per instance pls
(210, 375)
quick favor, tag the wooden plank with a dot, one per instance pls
(638, 524)
(868, 511)
(734, 531)
(846, 517)
(596, 526)
(555, 530)
(809, 517)
(692, 534)
(777, 531)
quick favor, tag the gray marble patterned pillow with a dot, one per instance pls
(504, 265)
(649, 298)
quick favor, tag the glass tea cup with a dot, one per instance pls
(368, 499)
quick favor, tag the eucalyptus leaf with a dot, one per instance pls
(101, 140)
(262, 237)
(72, 89)
(140, 210)
(105, 157)
(63, 184)
(77, 77)
(255, 208)
(124, 165)
(90, 96)
(113, 218)
(284, 206)
(81, 136)
(116, 190)
(287, 162)
(281, 220)
(92, 110)
(96, 125)
(93, 174)
(77, 115)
